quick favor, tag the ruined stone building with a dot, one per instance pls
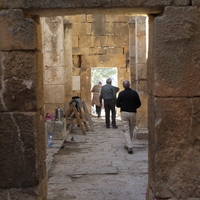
(73, 45)
(47, 52)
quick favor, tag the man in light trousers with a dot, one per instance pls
(128, 101)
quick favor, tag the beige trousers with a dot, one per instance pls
(129, 122)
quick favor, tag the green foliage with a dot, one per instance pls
(101, 74)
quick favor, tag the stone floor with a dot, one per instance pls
(96, 166)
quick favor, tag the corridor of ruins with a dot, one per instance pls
(48, 51)
(75, 45)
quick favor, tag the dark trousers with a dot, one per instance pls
(109, 105)
(98, 111)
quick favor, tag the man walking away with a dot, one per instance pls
(108, 94)
(128, 101)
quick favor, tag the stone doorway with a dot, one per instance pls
(89, 41)
(173, 103)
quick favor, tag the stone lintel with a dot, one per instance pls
(67, 4)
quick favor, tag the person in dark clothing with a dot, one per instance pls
(108, 94)
(128, 101)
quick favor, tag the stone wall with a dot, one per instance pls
(174, 104)
(104, 41)
(22, 159)
(98, 41)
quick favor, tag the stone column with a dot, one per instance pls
(174, 105)
(141, 71)
(140, 52)
(22, 135)
(68, 60)
(138, 68)
(53, 49)
(132, 53)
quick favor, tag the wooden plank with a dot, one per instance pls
(83, 119)
(79, 120)
(87, 116)
(70, 113)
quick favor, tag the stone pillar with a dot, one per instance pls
(138, 68)
(68, 60)
(22, 135)
(174, 105)
(53, 49)
(141, 70)
(131, 25)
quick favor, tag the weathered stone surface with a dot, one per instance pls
(20, 81)
(142, 86)
(176, 58)
(86, 41)
(175, 73)
(89, 3)
(141, 47)
(18, 139)
(75, 41)
(194, 136)
(78, 18)
(54, 59)
(80, 29)
(102, 28)
(118, 41)
(142, 114)
(54, 75)
(117, 50)
(97, 51)
(116, 18)
(141, 25)
(17, 32)
(104, 61)
(101, 41)
(95, 18)
(77, 61)
(56, 37)
(121, 29)
(195, 2)
(53, 38)
(176, 166)
(54, 93)
(28, 193)
(123, 74)
(142, 71)
(85, 85)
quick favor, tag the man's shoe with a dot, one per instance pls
(130, 150)
(125, 147)
(107, 126)
(115, 126)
